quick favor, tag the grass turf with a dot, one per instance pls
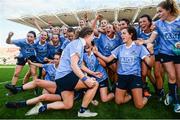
(153, 110)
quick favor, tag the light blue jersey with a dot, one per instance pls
(169, 35)
(105, 45)
(93, 64)
(145, 36)
(129, 58)
(41, 51)
(26, 49)
(65, 43)
(75, 47)
(52, 49)
(50, 71)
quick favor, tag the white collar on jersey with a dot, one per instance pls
(42, 44)
(173, 20)
(28, 42)
(133, 43)
(83, 41)
(90, 54)
(111, 38)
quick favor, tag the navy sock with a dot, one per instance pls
(82, 109)
(22, 104)
(160, 92)
(173, 92)
(43, 108)
(19, 89)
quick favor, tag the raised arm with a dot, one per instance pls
(8, 40)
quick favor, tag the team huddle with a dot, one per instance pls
(110, 60)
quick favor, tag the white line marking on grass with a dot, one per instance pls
(7, 66)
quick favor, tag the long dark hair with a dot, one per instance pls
(132, 30)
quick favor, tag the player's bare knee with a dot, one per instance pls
(119, 101)
(139, 105)
(43, 97)
(68, 106)
(104, 99)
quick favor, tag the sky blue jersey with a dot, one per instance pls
(93, 64)
(75, 47)
(129, 58)
(169, 35)
(105, 45)
(26, 49)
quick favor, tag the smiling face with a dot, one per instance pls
(103, 23)
(56, 30)
(144, 23)
(44, 36)
(55, 38)
(122, 25)
(30, 38)
(109, 30)
(81, 23)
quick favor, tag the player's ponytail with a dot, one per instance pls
(171, 6)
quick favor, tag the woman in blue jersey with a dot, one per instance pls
(48, 84)
(54, 46)
(69, 77)
(70, 37)
(167, 29)
(106, 42)
(41, 48)
(129, 56)
(144, 32)
(97, 71)
(27, 51)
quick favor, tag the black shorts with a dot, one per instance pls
(104, 83)
(128, 82)
(110, 63)
(169, 58)
(22, 61)
(157, 57)
(66, 83)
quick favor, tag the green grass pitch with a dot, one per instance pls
(153, 110)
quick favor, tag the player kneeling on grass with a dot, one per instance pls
(129, 57)
(96, 70)
(48, 84)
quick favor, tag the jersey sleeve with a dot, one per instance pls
(116, 52)
(18, 42)
(144, 52)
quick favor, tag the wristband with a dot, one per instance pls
(84, 78)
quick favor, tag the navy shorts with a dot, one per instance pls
(103, 83)
(128, 82)
(66, 83)
(169, 58)
(157, 57)
(22, 61)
